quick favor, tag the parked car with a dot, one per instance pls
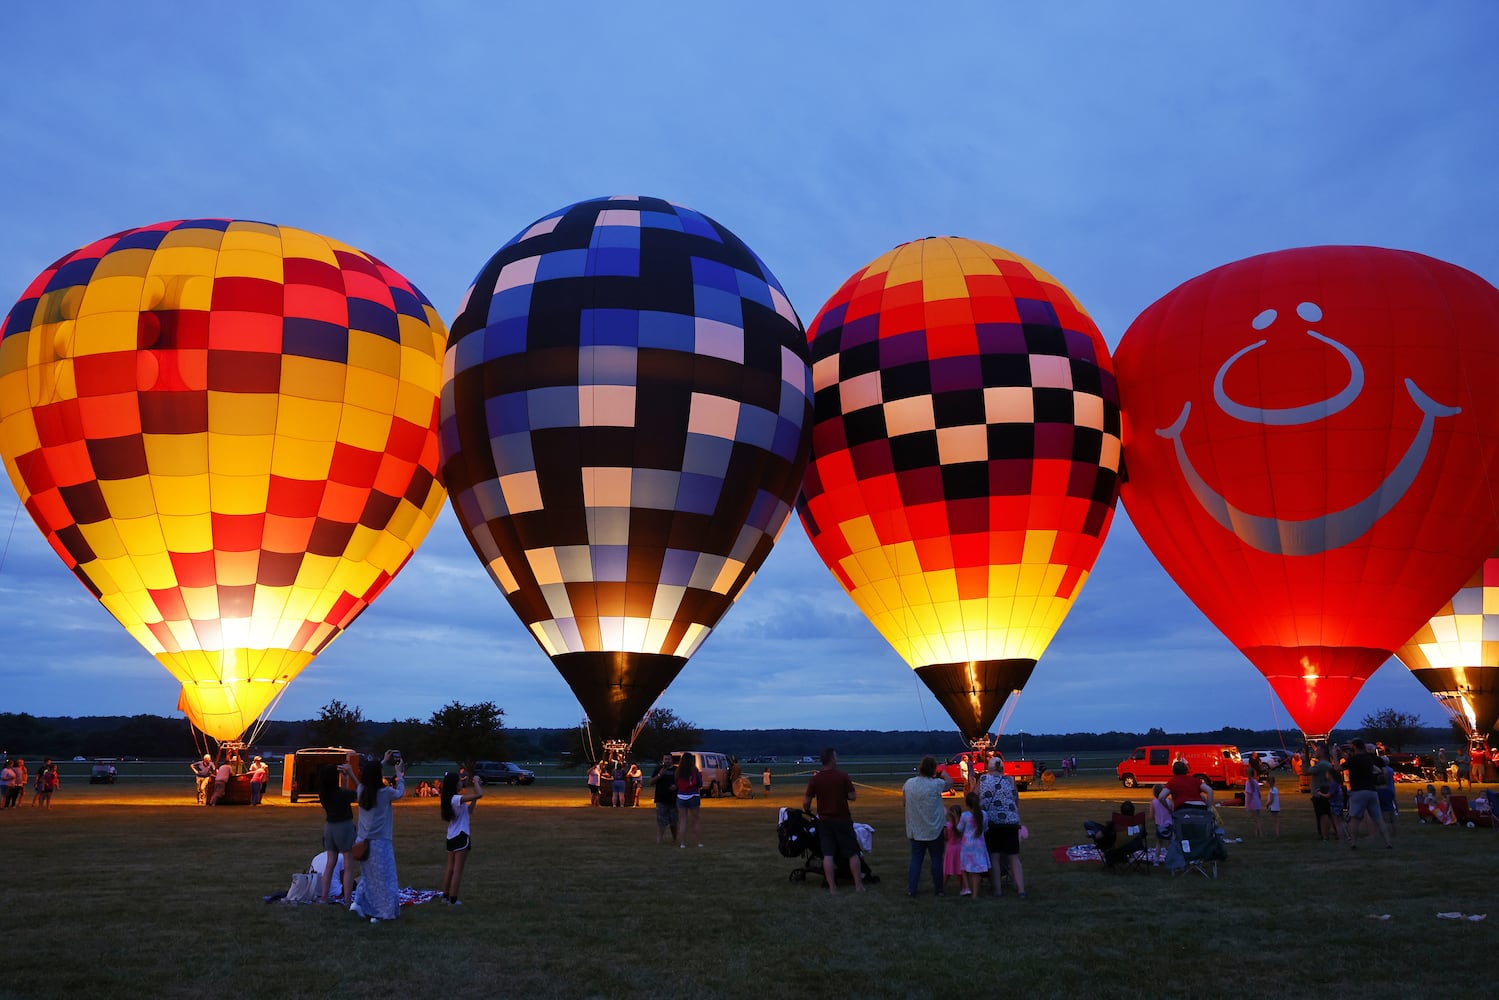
(503, 772)
(1272, 759)
(102, 774)
(806, 760)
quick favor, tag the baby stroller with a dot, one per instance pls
(1197, 842)
(796, 837)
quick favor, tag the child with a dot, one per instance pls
(1252, 800)
(975, 852)
(457, 806)
(952, 860)
(1160, 814)
(1273, 805)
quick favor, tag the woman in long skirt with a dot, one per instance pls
(379, 893)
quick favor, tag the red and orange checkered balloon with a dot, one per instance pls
(228, 431)
(965, 460)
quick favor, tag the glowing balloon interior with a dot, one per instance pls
(624, 420)
(227, 430)
(1310, 437)
(965, 458)
(1455, 655)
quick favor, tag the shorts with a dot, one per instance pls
(666, 814)
(339, 836)
(619, 788)
(1363, 803)
(837, 838)
(1002, 838)
(687, 802)
(458, 843)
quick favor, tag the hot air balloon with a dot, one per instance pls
(624, 413)
(965, 459)
(228, 431)
(1309, 440)
(1455, 655)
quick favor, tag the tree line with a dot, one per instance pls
(463, 732)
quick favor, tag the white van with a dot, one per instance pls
(715, 768)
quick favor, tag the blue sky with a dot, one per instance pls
(1122, 147)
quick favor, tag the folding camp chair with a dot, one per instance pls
(1130, 851)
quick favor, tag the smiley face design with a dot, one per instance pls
(1333, 529)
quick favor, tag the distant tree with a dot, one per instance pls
(413, 737)
(337, 725)
(468, 732)
(1393, 728)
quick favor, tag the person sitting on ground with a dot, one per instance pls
(1442, 810)
(1160, 813)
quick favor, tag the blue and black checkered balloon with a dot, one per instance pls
(624, 422)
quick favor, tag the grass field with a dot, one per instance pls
(131, 891)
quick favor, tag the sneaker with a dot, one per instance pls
(354, 909)
(455, 902)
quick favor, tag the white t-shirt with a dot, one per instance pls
(459, 822)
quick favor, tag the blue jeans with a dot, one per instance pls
(936, 848)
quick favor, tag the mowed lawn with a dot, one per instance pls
(132, 891)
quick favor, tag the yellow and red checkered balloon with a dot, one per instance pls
(965, 461)
(1455, 655)
(228, 431)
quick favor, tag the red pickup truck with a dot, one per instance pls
(1023, 771)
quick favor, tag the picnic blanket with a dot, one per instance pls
(1090, 852)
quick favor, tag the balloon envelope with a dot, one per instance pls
(227, 430)
(1455, 655)
(965, 458)
(1308, 441)
(624, 420)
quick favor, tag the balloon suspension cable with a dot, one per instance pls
(585, 733)
(640, 726)
(1275, 716)
(1312, 740)
(14, 515)
(919, 702)
(201, 740)
(258, 726)
(1004, 715)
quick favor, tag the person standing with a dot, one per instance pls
(18, 784)
(975, 852)
(258, 772)
(765, 777)
(378, 895)
(1253, 802)
(664, 794)
(1364, 776)
(220, 783)
(7, 779)
(46, 784)
(203, 771)
(1000, 801)
(336, 795)
(457, 809)
(636, 778)
(1272, 802)
(689, 800)
(834, 790)
(593, 784)
(925, 819)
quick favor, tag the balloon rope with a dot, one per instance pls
(14, 514)
(1275, 716)
(919, 703)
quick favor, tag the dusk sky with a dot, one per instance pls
(1124, 148)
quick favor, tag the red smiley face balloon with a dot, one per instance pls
(1310, 438)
